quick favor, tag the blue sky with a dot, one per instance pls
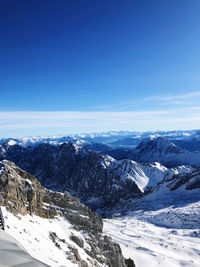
(82, 66)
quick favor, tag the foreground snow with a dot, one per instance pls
(13, 254)
(168, 237)
(33, 233)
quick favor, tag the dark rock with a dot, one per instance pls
(69, 167)
(130, 263)
(77, 240)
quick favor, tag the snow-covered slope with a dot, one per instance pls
(163, 227)
(178, 190)
(163, 151)
(12, 253)
(48, 240)
(143, 235)
(54, 228)
(145, 174)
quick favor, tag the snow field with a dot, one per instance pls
(150, 244)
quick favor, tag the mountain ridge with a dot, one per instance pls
(162, 150)
(97, 180)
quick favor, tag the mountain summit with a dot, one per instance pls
(162, 150)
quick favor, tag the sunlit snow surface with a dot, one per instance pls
(168, 237)
(32, 232)
(12, 254)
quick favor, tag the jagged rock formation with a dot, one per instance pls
(187, 181)
(69, 167)
(180, 189)
(21, 193)
(99, 181)
(18, 192)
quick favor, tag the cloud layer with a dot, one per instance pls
(189, 99)
(61, 122)
(169, 112)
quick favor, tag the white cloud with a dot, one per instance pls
(36, 122)
(181, 100)
(176, 99)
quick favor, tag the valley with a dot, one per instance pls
(159, 238)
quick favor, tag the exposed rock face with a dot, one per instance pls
(21, 193)
(188, 181)
(85, 174)
(129, 263)
(76, 213)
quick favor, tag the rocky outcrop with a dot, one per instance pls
(21, 193)
(130, 263)
(189, 181)
(69, 167)
(76, 213)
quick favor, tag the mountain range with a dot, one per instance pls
(98, 180)
(140, 191)
(112, 139)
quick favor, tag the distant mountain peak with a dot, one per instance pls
(162, 150)
(158, 144)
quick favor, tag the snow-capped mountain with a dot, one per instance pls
(145, 174)
(71, 167)
(34, 141)
(154, 207)
(179, 189)
(97, 180)
(162, 228)
(162, 150)
(112, 138)
(53, 227)
(190, 143)
(100, 138)
(178, 186)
